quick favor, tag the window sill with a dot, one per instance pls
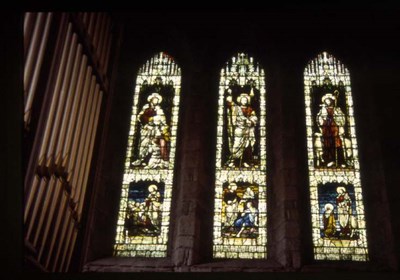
(121, 264)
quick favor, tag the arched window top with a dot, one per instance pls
(161, 64)
(144, 215)
(243, 70)
(240, 219)
(324, 65)
(337, 210)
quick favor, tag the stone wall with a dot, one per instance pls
(201, 47)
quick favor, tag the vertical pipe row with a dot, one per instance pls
(56, 224)
(56, 230)
(29, 19)
(61, 156)
(35, 48)
(66, 118)
(30, 198)
(47, 202)
(31, 88)
(55, 197)
(44, 160)
(59, 110)
(54, 102)
(89, 150)
(32, 213)
(71, 164)
(91, 106)
(80, 90)
(69, 246)
(53, 189)
(53, 151)
(68, 224)
(81, 111)
(31, 54)
(98, 27)
(81, 151)
(50, 214)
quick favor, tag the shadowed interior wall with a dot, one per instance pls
(282, 41)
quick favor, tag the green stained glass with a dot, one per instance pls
(143, 220)
(240, 222)
(337, 211)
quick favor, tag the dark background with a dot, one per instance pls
(282, 39)
(364, 37)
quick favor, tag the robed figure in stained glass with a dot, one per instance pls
(240, 208)
(154, 134)
(346, 219)
(242, 120)
(143, 215)
(248, 219)
(231, 200)
(331, 121)
(329, 220)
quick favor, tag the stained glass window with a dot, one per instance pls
(144, 215)
(240, 222)
(337, 210)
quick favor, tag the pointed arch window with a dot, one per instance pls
(240, 222)
(144, 214)
(337, 210)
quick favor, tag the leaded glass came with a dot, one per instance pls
(144, 214)
(240, 222)
(338, 220)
